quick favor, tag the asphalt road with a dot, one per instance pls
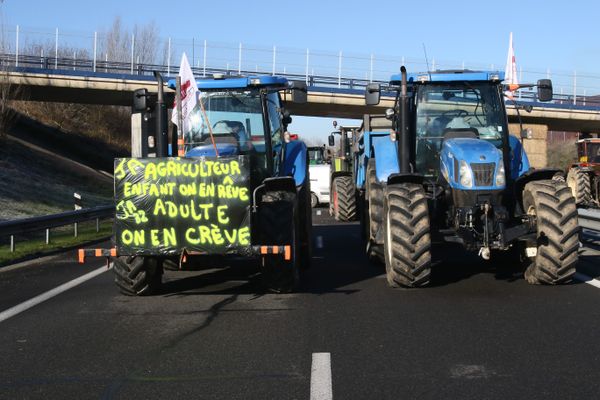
(479, 331)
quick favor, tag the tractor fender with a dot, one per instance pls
(386, 154)
(530, 176)
(519, 162)
(295, 161)
(405, 178)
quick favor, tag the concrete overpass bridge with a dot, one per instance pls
(327, 97)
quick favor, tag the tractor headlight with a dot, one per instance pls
(465, 175)
(500, 178)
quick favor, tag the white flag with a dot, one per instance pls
(189, 91)
(510, 71)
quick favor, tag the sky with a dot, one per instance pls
(550, 37)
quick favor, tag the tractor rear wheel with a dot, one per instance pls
(553, 206)
(137, 275)
(277, 216)
(579, 183)
(407, 241)
(344, 200)
(374, 214)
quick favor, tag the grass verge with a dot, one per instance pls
(60, 238)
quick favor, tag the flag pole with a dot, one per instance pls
(212, 138)
(180, 139)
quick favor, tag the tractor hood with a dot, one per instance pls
(207, 150)
(472, 164)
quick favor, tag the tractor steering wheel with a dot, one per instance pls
(455, 113)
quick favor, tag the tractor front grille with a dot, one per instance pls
(483, 173)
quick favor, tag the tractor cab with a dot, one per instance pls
(588, 152)
(239, 116)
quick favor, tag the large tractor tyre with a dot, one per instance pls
(344, 199)
(374, 214)
(580, 185)
(137, 275)
(277, 218)
(407, 241)
(554, 209)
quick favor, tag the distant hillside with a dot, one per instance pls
(82, 148)
(36, 183)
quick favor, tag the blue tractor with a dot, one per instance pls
(234, 186)
(440, 166)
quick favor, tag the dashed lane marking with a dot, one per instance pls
(19, 308)
(320, 377)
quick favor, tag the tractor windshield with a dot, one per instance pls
(591, 152)
(467, 109)
(315, 156)
(235, 117)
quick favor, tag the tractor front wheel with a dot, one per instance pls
(344, 199)
(407, 241)
(553, 207)
(579, 183)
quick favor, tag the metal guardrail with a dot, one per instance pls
(46, 222)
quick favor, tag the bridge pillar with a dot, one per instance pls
(536, 147)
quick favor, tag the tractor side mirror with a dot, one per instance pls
(140, 100)
(331, 140)
(372, 94)
(286, 119)
(299, 92)
(544, 90)
(526, 133)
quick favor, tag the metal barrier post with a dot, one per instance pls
(56, 50)
(95, 48)
(97, 225)
(17, 49)
(274, 58)
(12, 243)
(47, 235)
(75, 229)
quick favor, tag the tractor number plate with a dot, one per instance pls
(531, 251)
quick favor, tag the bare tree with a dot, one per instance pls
(116, 43)
(146, 42)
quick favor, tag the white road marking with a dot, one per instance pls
(19, 308)
(319, 242)
(320, 377)
(587, 279)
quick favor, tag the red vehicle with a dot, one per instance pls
(584, 177)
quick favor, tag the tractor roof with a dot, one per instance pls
(221, 82)
(449, 76)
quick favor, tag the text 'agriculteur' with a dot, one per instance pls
(165, 205)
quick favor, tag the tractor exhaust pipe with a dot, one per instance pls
(404, 144)
(162, 137)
